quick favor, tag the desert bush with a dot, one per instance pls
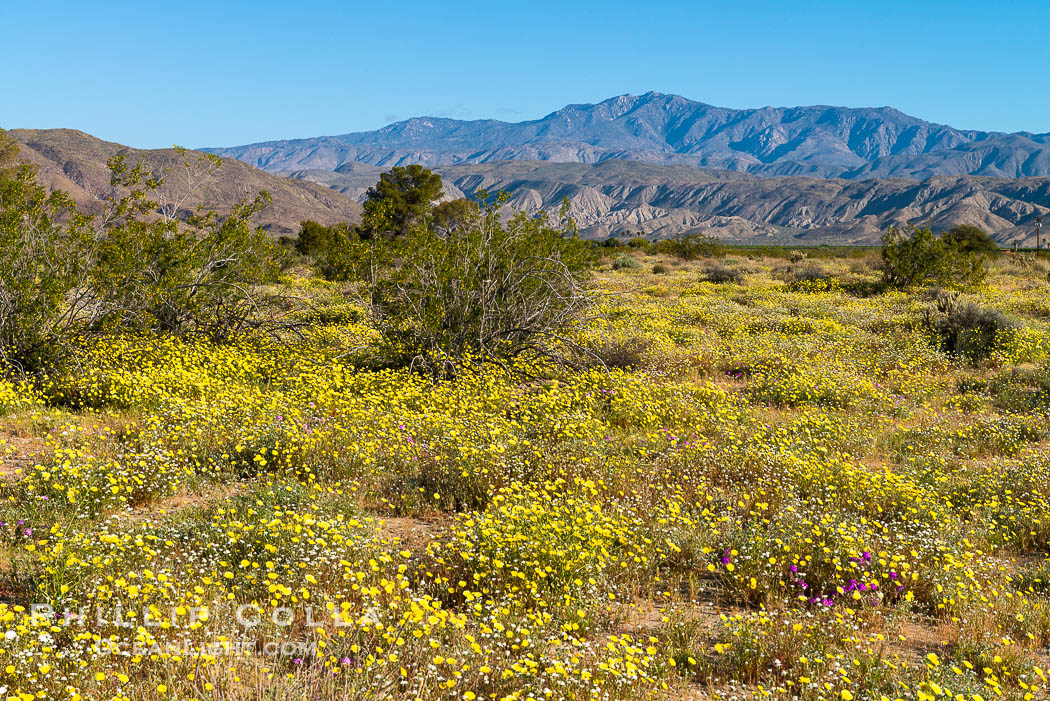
(316, 239)
(861, 267)
(915, 257)
(966, 328)
(973, 239)
(625, 263)
(490, 289)
(808, 273)
(8, 155)
(721, 274)
(137, 266)
(1021, 389)
(660, 269)
(691, 247)
(402, 199)
(621, 353)
(40, 287)
(177, 276)
(811, 278)
(350, 257)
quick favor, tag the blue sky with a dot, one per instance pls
(226, 72)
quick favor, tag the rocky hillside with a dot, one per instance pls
(817, 141)
(76, 162)
(618, 196)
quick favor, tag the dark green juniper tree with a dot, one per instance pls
(402, 198)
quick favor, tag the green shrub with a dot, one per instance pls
(38, 284)
(172, 276)
(660, 269)
(916, 257)
(967, 237)
(491, 288)
(967, 329)
(625, 263)
(317, 239)
(348, 257)
(1021, 389)
(691, 247)
(721, 274)
(139, 266)
(403, 198)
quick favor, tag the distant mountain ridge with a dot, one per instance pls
(817, 141)
(661, 200)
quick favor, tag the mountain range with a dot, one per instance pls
(817, 141)
(656, 164)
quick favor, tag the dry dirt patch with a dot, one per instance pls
(18, 451)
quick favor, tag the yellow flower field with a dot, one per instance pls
(785, 490)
